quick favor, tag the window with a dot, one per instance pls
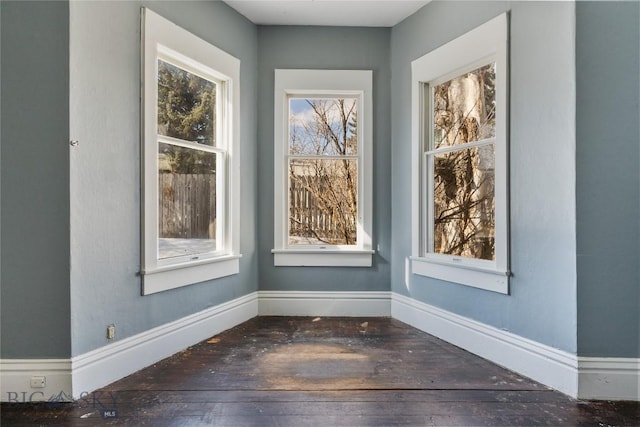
(460, 172)
(323, 150)
(190, 162)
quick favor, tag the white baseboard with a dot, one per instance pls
(298, 303)
(602, 378)
(549, 366)
(107, 364)
(75, 377)
(580, 377)
(609, 378)
(15, 376)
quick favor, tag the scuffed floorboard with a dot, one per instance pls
(298, 371)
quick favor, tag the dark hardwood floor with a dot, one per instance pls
(285, 371)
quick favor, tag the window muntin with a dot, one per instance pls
(461, 157)
(323, 171)
(460, 160)
(190, 176)
(191, 179)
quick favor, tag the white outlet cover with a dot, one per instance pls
(38, 382)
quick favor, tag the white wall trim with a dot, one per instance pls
(609, 378)
(327, 83)
(107, 364)
(298, 303)
(552, 367)
(15, 376)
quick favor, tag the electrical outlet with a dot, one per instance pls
(111, 332)
(38, 382)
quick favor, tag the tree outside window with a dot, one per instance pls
(323, 175)
(462, 148)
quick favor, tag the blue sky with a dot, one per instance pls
(298, 105)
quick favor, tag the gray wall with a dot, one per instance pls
(105, 172)
(608, 178)
(35, 311)
(325, 48)
(575, 186)
(542, 304)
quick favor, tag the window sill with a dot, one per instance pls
(178, 275)
(477, 277)
(322, 258)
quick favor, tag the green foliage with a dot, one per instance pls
(186, 111)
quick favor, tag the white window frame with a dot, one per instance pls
(483, 45)
(164, 40)
(318, 83)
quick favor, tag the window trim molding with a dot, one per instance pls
(358, 83)
(161, 39)
(476, 47)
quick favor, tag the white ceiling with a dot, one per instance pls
(353, 13)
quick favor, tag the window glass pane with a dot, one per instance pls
(464, 108)
(320, 126)
(323, 198)
(464, 203)
(186, 105)
(187, 201)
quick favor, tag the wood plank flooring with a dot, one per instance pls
(295, 371)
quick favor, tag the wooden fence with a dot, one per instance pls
(305, 214)
(187, 210)
(187, 205)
